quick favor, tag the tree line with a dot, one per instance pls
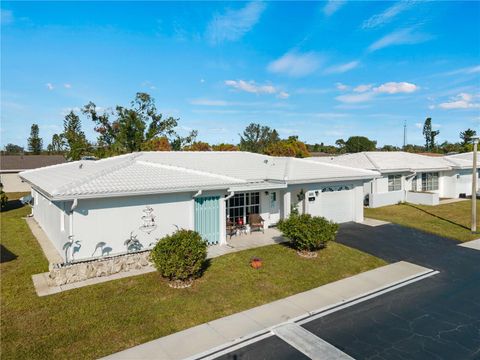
(140, 127)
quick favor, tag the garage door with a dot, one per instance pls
(338, 206)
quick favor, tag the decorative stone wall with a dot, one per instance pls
(61, 274)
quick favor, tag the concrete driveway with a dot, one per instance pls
(436, 318)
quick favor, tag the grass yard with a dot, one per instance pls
(449, 220)
(98, 320)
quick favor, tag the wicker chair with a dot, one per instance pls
(256, 222)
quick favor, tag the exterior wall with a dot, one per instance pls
(270, 212)
(113, 220)
(422, 198)
(339, 206)
(386, 198)
(53, 218)
(12, 183)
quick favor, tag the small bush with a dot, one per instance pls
(308, 233)
(180, 256)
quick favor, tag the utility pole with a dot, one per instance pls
(404, 134)
(474, 186)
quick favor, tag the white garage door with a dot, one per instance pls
(338, 206)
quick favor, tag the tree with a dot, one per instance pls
(256, 138)
(429, 134)
(390, 148)
(76, 142)
(135, 125)
(290, 147)
(57, 146)
(413, 148)
(13, 149)
(198, 146)
(356, 144)
(224, 147)
(157, 144)
(467, 136)
(35, 142)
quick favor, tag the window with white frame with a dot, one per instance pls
(240, 205)
(414, 183)
(394, 182)
(273, 200)
(430, 181)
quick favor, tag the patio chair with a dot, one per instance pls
(256, 222)
(231, 228)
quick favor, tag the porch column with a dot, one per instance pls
(287, 201)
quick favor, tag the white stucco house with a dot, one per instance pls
(414, 178)
(96, 206)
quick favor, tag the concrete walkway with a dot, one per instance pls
(474, 244)
(373, 222)
(236, 243)
(219, 336)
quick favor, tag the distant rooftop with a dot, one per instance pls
(13, 163)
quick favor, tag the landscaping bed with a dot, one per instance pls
(98, 320)
(449, 220)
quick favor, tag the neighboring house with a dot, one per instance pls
(11, 165)
(127, 202)
(409, 177)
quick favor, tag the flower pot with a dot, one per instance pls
(256, 263)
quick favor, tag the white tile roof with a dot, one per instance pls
(153, 172)
(394, 161)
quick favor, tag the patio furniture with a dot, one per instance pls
(256, 222)
(231, 228)
(241, 227)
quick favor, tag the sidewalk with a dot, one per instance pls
(221, 334)
(473, 244)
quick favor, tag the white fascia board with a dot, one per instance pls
(328, 180)
(138, 193)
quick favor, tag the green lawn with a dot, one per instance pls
(449, 220)
(98, 320)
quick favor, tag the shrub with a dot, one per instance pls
(180, 256)
(308, 233)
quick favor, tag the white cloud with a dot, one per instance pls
(467, 70)
(333, 6)
(6, 17)
(387, 15)
(232, 25)
(362, 88)
(339, 69)
(461, 101)
(396, 87)
(149, 84)
(202, 81)
(209, 102)
(355, 98)
(366, 92)
(49, 86)
(295, 64)
(341, 87)
(283, 95)
(400, 37)
(251, 87)
(67, 86)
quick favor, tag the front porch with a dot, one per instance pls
(252, 240)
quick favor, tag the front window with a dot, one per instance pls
(241, 205)
(430, 181)
(394, 182)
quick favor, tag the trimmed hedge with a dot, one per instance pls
(308, 233)
(180, 256)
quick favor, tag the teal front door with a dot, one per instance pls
(207, 218)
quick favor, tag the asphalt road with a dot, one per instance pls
(435, 318)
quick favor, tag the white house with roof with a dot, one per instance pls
(103, 207)
(409, 177)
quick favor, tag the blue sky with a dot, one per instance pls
(319, 70)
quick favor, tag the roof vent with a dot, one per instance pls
(80, 166)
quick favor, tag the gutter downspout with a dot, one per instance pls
(198, 193)
(70, 218)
